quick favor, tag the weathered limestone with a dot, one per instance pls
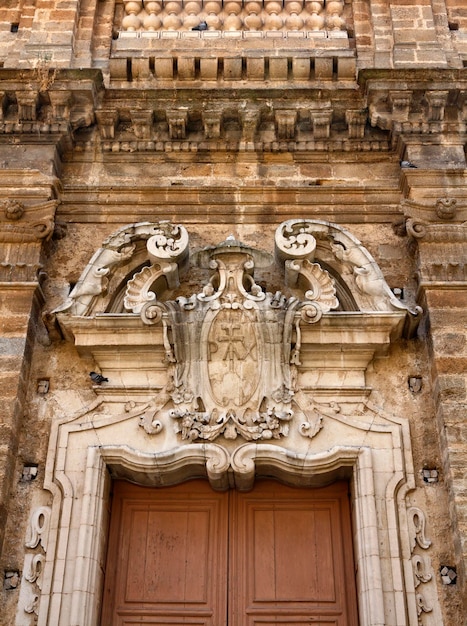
(23, 228)
(253, 235)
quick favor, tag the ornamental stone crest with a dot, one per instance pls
(229, 359)
(229, 349)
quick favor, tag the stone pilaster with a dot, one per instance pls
(440, 230)
(24, 225)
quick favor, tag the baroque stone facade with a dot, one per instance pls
(233, 246)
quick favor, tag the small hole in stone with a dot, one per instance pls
(415, 384)
(29, 472)
(448, 574)
(430, 475)
(10, 579)
(14, 27)
(43, 385)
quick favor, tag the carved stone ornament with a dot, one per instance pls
(231, 361)
(34, 562)
(27, 223)
(225, 360)
(167, 246)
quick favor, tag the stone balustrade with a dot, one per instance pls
(206, 18)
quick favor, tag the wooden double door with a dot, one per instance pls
(189, 555)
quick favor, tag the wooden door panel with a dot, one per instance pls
(291, 621)
(170, 560)
(288, 557)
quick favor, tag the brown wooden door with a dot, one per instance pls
(188, 555)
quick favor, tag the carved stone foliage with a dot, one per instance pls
(232, 365)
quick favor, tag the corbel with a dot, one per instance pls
(27, 105)
(177, 121)
(107, 120)
(286, 122)
(142, 123)
(437, 101)
(212, 119)
(356, 122)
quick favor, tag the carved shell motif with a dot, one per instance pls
(137, 292)
(321, 286)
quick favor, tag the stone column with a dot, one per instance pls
(24, 225)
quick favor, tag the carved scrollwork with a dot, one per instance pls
(137, 291)
(33, 569)
(167, 247)
(151, 312)
(422, 607)
(312, 427)
(294, 239)
(38, 528)
(415, 228)
(147, 413)
(168, 243)
(417, 524)
(421, 569)
(421, 563)
(33, 605)
(37, 539)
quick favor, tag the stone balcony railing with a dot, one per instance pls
(231, 18)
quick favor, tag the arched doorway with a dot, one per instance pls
(190, 555)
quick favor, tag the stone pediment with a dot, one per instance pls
(232, 358)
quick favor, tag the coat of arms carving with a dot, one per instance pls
(232, 362)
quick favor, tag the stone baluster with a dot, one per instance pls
(232, 9)
(315, 9)
(253, 21)
(213, 8)
(152, 21)
(172, 20)
(132, 22)
(273, 9)
(193, 11)
(334, 10)
(294, 8)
